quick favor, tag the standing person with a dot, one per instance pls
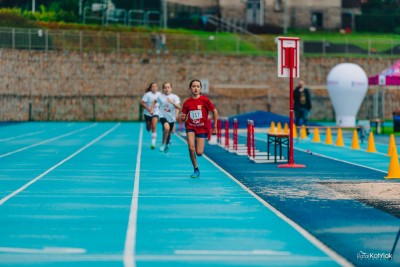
(154, 41)
(170, 104)
(195, 115)
(302, 104)
(162, 43)
(151, 112)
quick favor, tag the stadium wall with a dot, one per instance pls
(71, 86)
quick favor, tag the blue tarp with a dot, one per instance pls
(262, 119)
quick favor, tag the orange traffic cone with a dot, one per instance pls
(394, 167)
(279, 127)
(285, 128)
(316, 137)
(392, 144)
(303, 132)
(328, 139)
(371, 143)
(339, 138)
(294, 131)
(272, 127)
(355, 144)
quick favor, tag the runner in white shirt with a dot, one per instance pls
(169, 109)
(151, 112)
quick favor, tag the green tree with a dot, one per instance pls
(54, 5)
(381, 7)
(71, 6)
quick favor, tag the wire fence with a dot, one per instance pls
(229, 44)
(14, 107)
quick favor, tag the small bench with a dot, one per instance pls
(277, 140)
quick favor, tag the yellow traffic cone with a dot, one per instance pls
(303, 132)
(355, 144)
(316, 137)
(279, 127)
(392, 144)
(285, 128)
(272, 127)
(394, 168)
(339, 138)
(294, 131)
(328, 138)
(371, 143)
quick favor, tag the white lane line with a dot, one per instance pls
(336, 159)
(44, 250)
(21, 135)
(231, 252)
(29, 134)
(244, 260)
(332, 254)
(130, 241)
(341, 160)
(3, 200)
(348, 147)
(47, 141)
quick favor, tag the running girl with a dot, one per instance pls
(151, 112)
(170, 104)
(195, 114)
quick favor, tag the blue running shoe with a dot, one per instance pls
(196, 174)
(166, 148)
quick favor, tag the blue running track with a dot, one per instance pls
(95, 194)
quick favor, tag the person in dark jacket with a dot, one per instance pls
(302, 104)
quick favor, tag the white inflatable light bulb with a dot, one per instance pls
(347, 85)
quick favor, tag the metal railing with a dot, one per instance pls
(360, 47)
(90, 15)
(104, 15)
(136, 17)
(116, 15)
(239, 44)
(228, 24)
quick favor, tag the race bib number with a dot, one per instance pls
(167, 109)
(196, 114)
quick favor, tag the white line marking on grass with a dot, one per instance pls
(45, 250)
(22, 188)
(47, 141)
(130, 241)
(332, 254)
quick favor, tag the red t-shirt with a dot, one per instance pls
(197, 114)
